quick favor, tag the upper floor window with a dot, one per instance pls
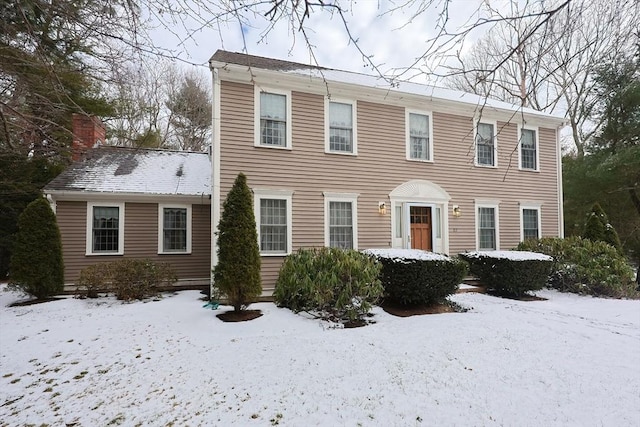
(528, 149)
(273, 220)
(174, 231)
(105, 229)
(273, 118)
(341, 229)
(486, 144)
(419, 146)
(340, 127)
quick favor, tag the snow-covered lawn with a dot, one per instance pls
(566, 361)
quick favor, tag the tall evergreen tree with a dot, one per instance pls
(36, 263)
(598, 228)
(237, 274)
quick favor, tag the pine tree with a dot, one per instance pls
(237, 274)
(598, 228)
(36, 263)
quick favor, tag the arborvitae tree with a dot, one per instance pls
(237, 274)
(36, 263)
(598, 228)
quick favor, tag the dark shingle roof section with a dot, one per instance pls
(137, 171)
(238, 58)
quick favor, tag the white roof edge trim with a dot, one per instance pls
(64, 195)
(306, 76)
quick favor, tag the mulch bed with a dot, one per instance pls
(34, 301)
(525, 297)
(416, 310)
(239, 316)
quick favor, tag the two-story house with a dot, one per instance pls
(333, 158)
(336, 158)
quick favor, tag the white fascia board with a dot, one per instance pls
(82, 196)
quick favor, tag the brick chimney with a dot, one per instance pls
(88, 132)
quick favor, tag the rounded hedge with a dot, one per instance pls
(510, 273)
(412, 277)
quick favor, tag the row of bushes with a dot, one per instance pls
(344, 285)
(127, 278)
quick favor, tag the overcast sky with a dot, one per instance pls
(395, 39)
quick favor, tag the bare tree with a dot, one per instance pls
(190, 106)
(550, 70)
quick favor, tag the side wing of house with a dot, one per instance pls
(365, 169)
(145, 204)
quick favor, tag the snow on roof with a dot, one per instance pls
(511, 255)
(348, 77)
(144, 171)
(415, 254)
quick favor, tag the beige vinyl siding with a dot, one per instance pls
(140, 239)
(379, 167)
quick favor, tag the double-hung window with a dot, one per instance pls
(340, 127)
(419, 136)
(486, 144)
(273, 118)
(528, 149)
(174, 233)
(273, 221)
(105, 229)
(487, 227)
(341, 229)
(530, 222)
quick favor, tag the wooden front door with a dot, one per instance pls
(420, 220)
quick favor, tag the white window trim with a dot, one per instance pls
(495, 143)
(495, 206)
(327, 125)
(161, 250)
(341, 197)
(256, 112)
(277, 194)
(530, 206)
(89, 233)
(537, 143)
(408, 134)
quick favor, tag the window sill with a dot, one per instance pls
(104, 253)
(486, 166)
(341, 153)
(419, 160)
(271, 254)
(529, 170)
(274, 147)
(175, 253)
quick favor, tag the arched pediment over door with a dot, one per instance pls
(419, 217)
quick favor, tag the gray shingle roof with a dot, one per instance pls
(143, 171)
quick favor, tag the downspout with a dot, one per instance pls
(215, 173)
(559, 177)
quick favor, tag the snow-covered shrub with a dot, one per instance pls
(585, 267)
(510, 272)
(336, 283)
(412, 277)
(128, 278)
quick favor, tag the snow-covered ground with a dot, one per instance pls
(567, 361)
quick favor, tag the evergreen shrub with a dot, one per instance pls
(598, 228)
(585, 267)
(237, 275)
(36, 263)
(411, 277)
(339, 284)
(511, 273)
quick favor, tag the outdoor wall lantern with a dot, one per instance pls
(456, 211)
(382, 208)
